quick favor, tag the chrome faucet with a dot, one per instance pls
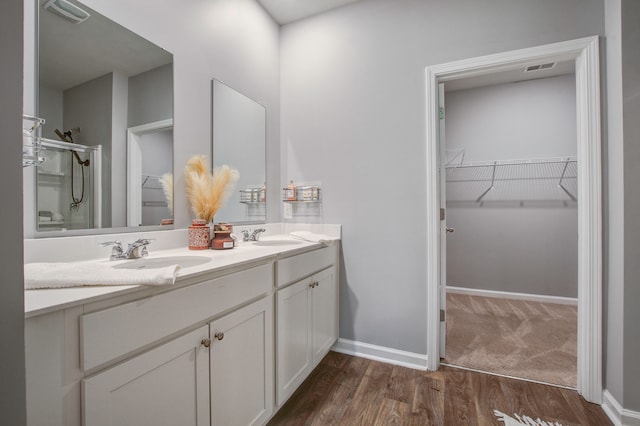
(253, 236)
(135, 250)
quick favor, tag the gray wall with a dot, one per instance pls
(235, 41)
(614, 226)
(353, 108)
(51, 104)
(631, 117)
(157, 159)
(501, 244)
(12, 385)
(151, 96)
(86, 106)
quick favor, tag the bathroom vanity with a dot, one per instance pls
(227, 344)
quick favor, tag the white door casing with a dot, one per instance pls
(585, 54)
(443, 220)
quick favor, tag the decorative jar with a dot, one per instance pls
(198, 235)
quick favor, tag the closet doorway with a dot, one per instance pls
(511, 186)
(584, 54)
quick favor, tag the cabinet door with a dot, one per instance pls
(325, 313)
(242, 365)
(168, 385)
(293, 331)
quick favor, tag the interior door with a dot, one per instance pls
(442, 151)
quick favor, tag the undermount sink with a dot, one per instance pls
(161, 262)
(276, 242)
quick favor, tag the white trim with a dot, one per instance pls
(134, 167)
(511, 295)
(381, 353)
(619, 416)
(585, 53)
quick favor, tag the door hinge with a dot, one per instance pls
(441, 214)
(441, 112)
(442, 315)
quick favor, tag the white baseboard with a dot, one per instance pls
(511, 295)
(618, 415)
(381, 353)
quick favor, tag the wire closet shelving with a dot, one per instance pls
(530, 180)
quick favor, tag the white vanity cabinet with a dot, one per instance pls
(241, 366)
(223, 347)
(306, 318)
(168, 385)
(220, 374)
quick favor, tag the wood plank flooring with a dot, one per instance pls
(347, 390)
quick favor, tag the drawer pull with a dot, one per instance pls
(206, 342)
(219, 335)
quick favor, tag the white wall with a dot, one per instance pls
(508, 246)
(353, 108)
(12, 385)
(235, 41)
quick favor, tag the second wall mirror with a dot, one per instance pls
(239, 141)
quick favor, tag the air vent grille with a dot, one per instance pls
(540, 67)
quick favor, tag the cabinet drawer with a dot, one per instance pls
(111, 333)
(296, 267)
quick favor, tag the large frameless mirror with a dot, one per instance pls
(239, 141)
(107, 97)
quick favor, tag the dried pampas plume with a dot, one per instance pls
(207, 192)
(166, 180)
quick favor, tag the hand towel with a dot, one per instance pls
(314, 238)
(77, 274)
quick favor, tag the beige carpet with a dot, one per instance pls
(531, 340)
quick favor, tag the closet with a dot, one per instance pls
(511, 191)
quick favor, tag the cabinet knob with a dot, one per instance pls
(314, 284)
(219, 335)
(206, 342)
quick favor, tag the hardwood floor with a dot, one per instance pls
(347, 390)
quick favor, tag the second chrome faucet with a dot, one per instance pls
(135, 250)
(252, 235)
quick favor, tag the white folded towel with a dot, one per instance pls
(77, 274)
(314, 238)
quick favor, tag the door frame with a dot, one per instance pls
(585, 53)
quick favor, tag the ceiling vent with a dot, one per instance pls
(66, 10)
(540, 67)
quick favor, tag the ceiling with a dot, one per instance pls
(509, 76)
(70, 54)
(286, 11)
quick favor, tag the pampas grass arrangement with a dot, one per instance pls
(208, 192)
(166, 180)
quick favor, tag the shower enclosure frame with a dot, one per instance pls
(95, 170)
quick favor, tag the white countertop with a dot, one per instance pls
(38, 302)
